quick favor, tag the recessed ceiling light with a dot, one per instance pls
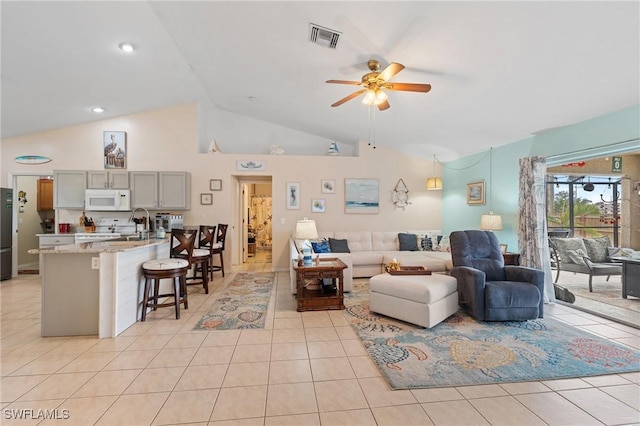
(97, 109)
(126, 47)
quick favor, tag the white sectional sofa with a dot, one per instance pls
(370, 251)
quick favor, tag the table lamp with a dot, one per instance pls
(306, 230)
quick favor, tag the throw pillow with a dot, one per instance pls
(408, 242)
(597, 248)
(620, 252)
(565, 244)
(426, 243)
(338, 246)
(575, 256)
(321, 246)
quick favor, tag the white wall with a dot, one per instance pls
(166, 139)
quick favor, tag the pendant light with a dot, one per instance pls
(491, 221)
(434, 183)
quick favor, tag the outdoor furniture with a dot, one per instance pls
(487, 289)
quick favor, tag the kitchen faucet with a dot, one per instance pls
(147, 225)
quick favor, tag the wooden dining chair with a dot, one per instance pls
(200, 262)
(206, 241)
(218, 247)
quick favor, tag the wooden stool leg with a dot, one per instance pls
(176, 295)
(222, 263)
(145, 300)
(183, 289)
(205, 276)
(156, 290)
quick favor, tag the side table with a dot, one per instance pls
(327, 297)
(511, 258)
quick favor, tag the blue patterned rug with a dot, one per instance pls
(462, 351)
(242, 305)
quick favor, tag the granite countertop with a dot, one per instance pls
(107, 246)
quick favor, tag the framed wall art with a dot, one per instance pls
(293, 196)
(317, 205)
(251, 166)
(115, 149)
(475, 193)
(328, 186)
(206, 199)
(215, 184)
(361, 196)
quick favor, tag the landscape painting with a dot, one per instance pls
(361, 196)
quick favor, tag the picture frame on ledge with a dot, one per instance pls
(475, 193)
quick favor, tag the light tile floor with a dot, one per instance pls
(302, 369)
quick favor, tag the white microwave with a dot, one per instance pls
(107, 199)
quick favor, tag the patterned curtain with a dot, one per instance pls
(532, 226)
(260, 219)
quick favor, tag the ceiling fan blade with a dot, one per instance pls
(408, 87)
(348, 98)
(355, 83)
(393, 69)
(384, 105)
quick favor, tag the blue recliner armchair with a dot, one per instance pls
(489, 290)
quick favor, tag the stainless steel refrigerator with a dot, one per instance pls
(6, 232)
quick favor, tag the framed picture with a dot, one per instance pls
(293, 196)
(215, 184)
(503, 248)
(206, 199)
(361, 196)
(475, 193)
(317, 205)
(251, 166)
(328, 186)
(115, 150)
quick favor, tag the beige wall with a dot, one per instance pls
(164, 140)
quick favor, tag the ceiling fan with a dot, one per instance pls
(374, 82)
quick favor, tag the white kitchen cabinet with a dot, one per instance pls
(99, 179)
(68, 189)
(161, 190)
(55, 240)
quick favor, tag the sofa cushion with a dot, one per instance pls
(338, 245)
(597, 248)
(357, 240)
(382, 241)
(366, 258)
(565, 244)
(407, 242)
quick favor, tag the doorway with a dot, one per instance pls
(257, 221)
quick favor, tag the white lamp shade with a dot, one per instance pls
(434, 184)
(491, 222)
(306, 230)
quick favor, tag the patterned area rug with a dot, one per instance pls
(242, 305)
(462, 351)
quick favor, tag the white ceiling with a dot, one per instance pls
(499, 71)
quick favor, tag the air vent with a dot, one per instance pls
(323, 36)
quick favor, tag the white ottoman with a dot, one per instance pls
(425, 300)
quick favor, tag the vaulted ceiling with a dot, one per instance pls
(499, 71)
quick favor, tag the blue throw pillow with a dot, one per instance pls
(338, 246)
(321, 247)
(408, 242)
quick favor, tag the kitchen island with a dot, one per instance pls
(94, 288)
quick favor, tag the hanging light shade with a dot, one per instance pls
(433, 184)
(491, 222)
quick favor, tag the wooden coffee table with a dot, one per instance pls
(327, 297)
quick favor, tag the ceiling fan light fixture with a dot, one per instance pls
(373, 97)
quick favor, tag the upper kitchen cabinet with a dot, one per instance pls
(45, 195)
(99, 179)
(68, 189)
(161, 190)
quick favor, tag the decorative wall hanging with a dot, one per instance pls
(328, 186)
(215, 184)
(115, 150)
(31, 159)
(361, 196)
(206, 199)
(475, 193)
(317, 205)
(250, 165)
(293, 196)
(400, 195)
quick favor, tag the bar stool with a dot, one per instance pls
(200, 261)
(174, 268)
(206, 241)
(218, 247)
